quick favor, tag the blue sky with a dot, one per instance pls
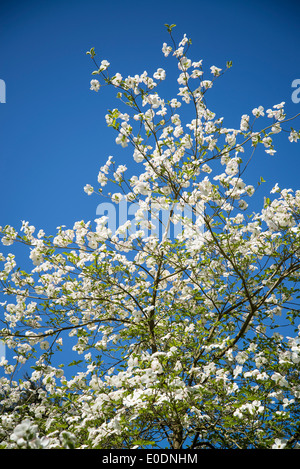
(53, 132)
(53, 135)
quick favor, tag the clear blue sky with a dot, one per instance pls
(53, 136)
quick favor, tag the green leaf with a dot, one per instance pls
(170, 27)
(261, 181)
(75, 362)
(91, 52)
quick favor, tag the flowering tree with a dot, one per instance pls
(180, 339)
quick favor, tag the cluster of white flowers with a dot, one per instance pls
(251, 408)
(25, 436)
(280, 213)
